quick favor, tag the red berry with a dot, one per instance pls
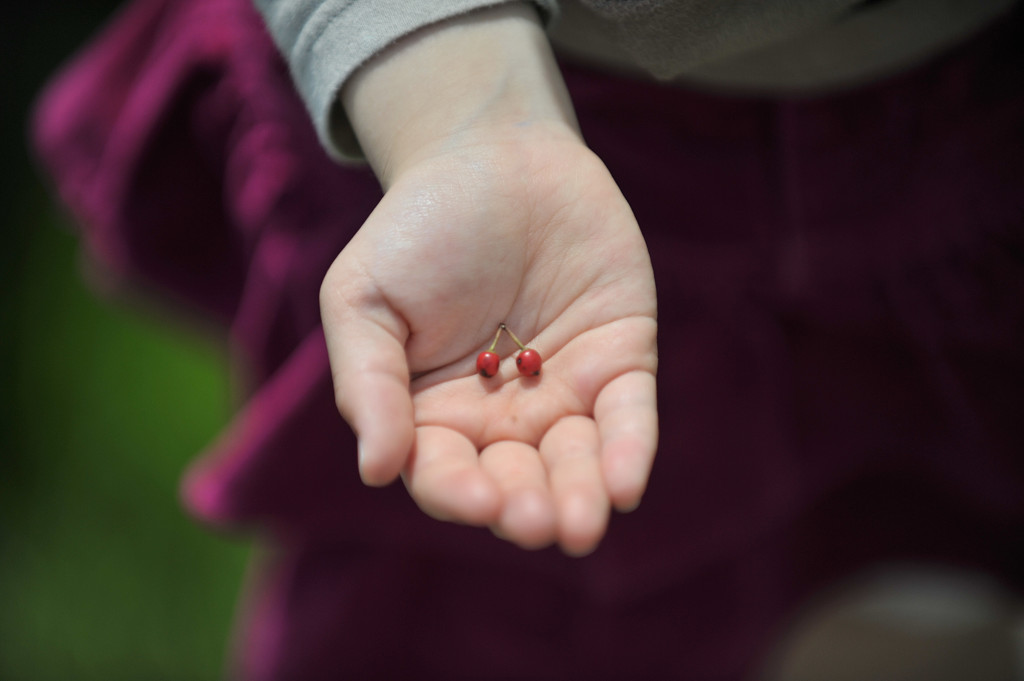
(487, 363)
(528, 362)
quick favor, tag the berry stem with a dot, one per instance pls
(503, 327)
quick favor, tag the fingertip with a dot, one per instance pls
(528, 516)
(481, 502)
(374, 470)
(627, 504)
(580, 551)
(528, 520)
(625, 478)
(628, 419)
(383, 455)
(584, 521)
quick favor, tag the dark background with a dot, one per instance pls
(102, 403)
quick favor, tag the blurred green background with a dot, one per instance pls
(102, 575)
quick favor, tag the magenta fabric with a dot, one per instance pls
(841, 287)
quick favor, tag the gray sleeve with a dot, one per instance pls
(325, 41)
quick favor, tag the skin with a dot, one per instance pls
(494, 211)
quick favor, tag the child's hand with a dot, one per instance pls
(501, 219)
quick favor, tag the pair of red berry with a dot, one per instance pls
(528, 361)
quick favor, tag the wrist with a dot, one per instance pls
(486, 73)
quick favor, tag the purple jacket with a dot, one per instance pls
(841, 291)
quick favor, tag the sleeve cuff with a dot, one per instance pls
(339, 36)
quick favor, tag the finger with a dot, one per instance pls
(365, 343)
(570, 450)
(445, 479)
(626, 412)
(528, 513)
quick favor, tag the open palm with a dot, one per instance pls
(529, 230)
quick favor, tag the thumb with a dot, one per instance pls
(366, 346)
